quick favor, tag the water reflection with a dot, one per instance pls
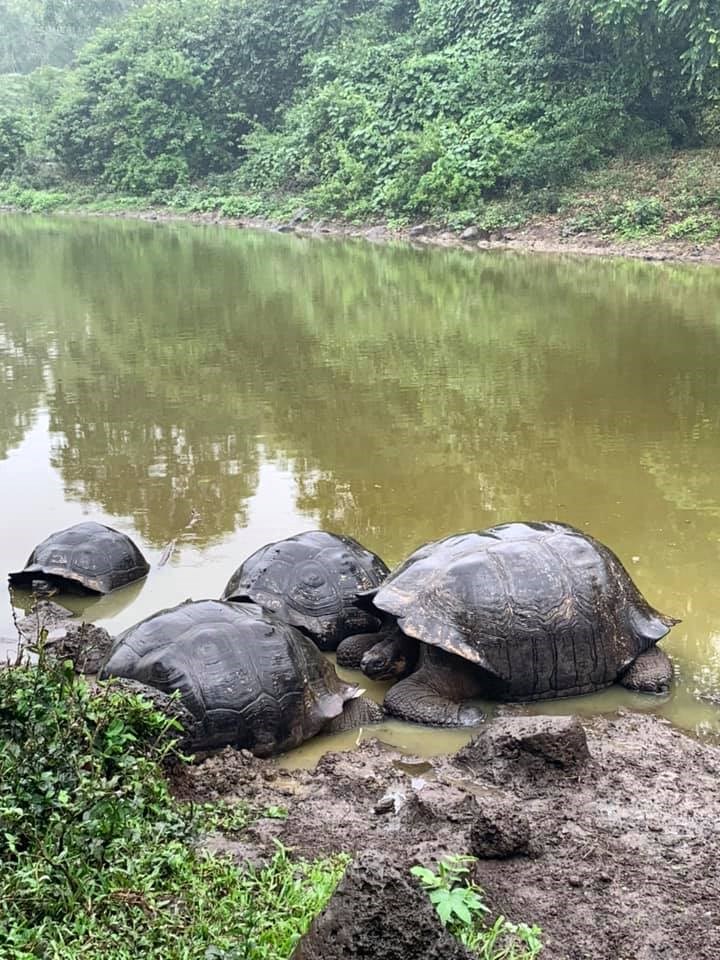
(272, 384)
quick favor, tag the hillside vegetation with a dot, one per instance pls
(457, 111)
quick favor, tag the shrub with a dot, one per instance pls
(97, 859)
(15, 133)
(460, 905)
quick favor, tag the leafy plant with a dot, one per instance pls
(460, 905)
(98, 860)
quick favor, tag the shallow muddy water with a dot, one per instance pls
(268, 384)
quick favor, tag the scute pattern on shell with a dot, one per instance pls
(249, 680)
(97, 558)
(312, 581)
(544, 608)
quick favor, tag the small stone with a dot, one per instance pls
(285, 228)
(470, 233)
(390, 803)
(574, 881)
(419, 230)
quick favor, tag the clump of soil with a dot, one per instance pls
(378, 911)
(616, 855)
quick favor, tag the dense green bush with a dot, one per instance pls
(387, 108)
(14, 139)
(97, 859)
(171, 95)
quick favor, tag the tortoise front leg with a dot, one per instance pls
(651, 672)
(440, 693)
(359, 712)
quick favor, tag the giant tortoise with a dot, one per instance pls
(87, 558)
(311, 581)
(247, 679)
(520, 611)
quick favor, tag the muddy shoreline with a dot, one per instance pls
(616, 855)
(545, 236)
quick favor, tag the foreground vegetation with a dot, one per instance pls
(96, 858)
(461, 112)
(459, 903)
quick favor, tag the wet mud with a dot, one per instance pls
(606, 834)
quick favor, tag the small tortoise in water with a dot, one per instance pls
(247, 679)
(521, 611)
(311, 581)
(88, 557)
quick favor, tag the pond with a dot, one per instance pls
(264, 384)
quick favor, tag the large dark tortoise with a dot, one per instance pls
(311, 581)
(88, 557)
(247, 679)
(521, 611)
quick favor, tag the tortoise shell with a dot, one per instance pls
(311, 581)
(542, 607)
(248, 679)
(89, 555)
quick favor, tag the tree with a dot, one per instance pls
(15, 134)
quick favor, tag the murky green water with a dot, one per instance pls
(274, 384)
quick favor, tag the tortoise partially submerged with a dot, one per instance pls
(247, 679)
(312, 581)
(520, 611)
(87, 558)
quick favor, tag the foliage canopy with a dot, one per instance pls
(365, 108)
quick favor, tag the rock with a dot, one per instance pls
(475, 233)
(499, 831)
(85, 645)
(378, 911)
(285, 228)
(391, 802)
(46, 616)
(558, 742)
(300, 215)
(419, 230)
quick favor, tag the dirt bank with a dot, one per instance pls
(617, 857)
(545, 236)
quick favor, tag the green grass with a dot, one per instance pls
(673, 196)
(98, 861)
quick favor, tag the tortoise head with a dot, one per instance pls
(391, 658)
(44, 588)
